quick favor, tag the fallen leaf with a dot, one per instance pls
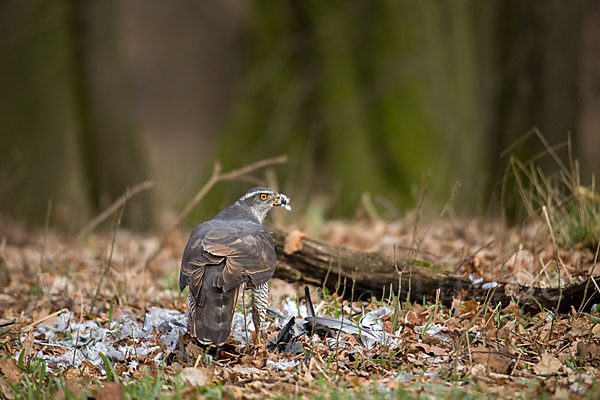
(238, 392)
(5, 390)
(40, 313)
(579, 327)
(392, 384)
(293, 241)
(432, 350)
(478, 370)
(468, 308)
(193, 351)
(279, 289)
(562, 393)
(412, 317)
(547, 365)
(494, 361)
(11, 370)
(196, 376)
(511, 289)
(586, 350)
(109, 391)
(308, 378)
(28, 346)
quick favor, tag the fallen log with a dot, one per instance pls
(357, 274)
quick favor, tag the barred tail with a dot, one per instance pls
(211, 314)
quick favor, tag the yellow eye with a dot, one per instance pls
(263, 196)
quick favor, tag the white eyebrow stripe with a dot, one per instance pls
(248, 195)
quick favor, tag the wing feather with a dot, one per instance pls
(247, 248)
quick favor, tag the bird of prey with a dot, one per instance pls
(229, 253)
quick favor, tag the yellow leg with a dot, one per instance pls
(257, 339)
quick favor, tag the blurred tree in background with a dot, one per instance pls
(364, 96)
(111, 154)
(38, 147)
(66, 120)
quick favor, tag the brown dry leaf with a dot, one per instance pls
(40, 313)
(432, 350)
(109, 391)
(495, 362)
(562, 393)
(293, 241)
(547, 365)
(308, 378)
(279, 289)
(5, 390)
(511, 289)
(478, 370)
(28, 345)
(238, 392)
(193, 351)
(196, 376)
(11, 370)
(392, 384)
(468, 308)
(412, 317)
(414, 360)
(87, 368)
(579, 327)
(74, 388)
(72, 374)
(6, 299)
(586, 350)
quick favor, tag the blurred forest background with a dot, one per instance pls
(382, 97)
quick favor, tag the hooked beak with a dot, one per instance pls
(283, 201)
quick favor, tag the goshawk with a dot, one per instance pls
(229, 253)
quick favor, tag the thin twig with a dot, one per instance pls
(215, 177)
(75, 349)
(129, 193)
(112, 249)
(556, 314)
(416, 250)
(488, 244)
(337, 342)
(45, 318)
(584, 300)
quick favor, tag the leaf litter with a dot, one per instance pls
(139, 324)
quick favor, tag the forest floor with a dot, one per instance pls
(69, 330)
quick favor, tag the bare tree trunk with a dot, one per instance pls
(38, 147)
(111, 153)
(588, 132)
(536, 58)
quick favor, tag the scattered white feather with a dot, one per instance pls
(86, 340)
(282, 365)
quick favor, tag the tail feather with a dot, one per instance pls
(212, 317)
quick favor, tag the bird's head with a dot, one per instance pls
(261, 200)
